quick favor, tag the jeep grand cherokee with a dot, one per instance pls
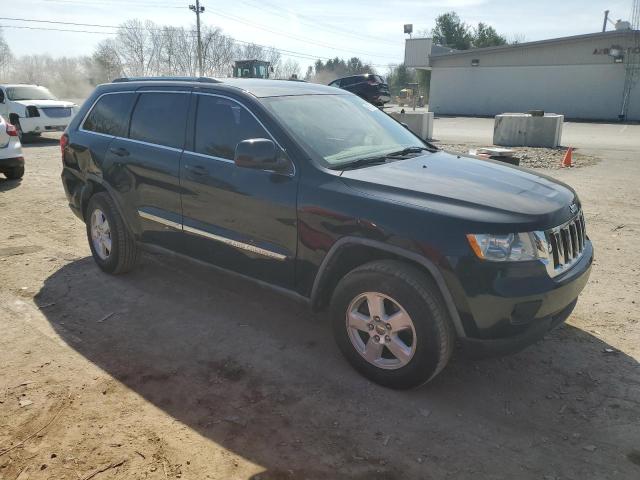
(315, 191)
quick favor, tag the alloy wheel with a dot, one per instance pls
(100, 234)
(381, 330)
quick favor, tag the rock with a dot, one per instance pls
(25, 403)
(590, 448)
(425, 412)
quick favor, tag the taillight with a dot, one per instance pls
(64, 141)
(11, 130)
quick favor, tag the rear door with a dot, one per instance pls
(238, 218)
(147, 163)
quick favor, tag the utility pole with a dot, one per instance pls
(606, 18)
(198, 9)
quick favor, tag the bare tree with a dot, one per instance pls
(138, 47)
(218, 52)
(104, 65)
(288, 69)
(6, 57)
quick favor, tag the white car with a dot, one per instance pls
(11, 159)
(33, 109)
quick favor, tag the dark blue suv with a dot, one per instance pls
(313, 190)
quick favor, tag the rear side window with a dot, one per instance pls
(349, 81)
(110, 115)
(160, 118)
(221, 124)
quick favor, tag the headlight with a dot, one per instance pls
(512, 247)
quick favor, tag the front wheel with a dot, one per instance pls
(390, 323)
(113, 247)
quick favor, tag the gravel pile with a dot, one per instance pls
(530, 157)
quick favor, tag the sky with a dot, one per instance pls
(371, 30)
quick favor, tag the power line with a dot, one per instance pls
(252, 24)
(59, 22)
(295, 37)
(56, 29)
(111, 2)
(286, 52)
(314, 22)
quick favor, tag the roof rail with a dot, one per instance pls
(166, 79)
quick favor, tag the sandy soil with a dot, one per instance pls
(179, 371)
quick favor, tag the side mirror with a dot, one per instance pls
(259, 154)
(404, 125)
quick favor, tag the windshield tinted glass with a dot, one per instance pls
(29, 93)
(340, 129)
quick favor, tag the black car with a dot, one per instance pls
(368, 86)
(320, 194)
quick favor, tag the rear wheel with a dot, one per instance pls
(14, 173)
(390, 324)
(113, 247)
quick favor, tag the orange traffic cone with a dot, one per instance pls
(566, 161)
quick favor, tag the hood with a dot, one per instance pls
(45, 103)
(467, 187)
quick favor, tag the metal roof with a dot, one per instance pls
(573, 38)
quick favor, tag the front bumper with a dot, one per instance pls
(505, 307)
(44, 124)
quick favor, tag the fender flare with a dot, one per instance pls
(88, 191)
(431, 267)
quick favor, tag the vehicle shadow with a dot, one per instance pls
(259, 374)
(46, 140)
(6, 184)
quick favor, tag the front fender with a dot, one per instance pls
(324, 272)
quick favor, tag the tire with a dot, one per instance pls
(14, 173)
(122, 254)
(404, 290)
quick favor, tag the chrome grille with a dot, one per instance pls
(566, 244)
(57, 112)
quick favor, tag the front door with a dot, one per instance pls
(238, 218)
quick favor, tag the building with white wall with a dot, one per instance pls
(581, 77)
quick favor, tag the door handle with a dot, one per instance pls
(196, 169)
(120, 152)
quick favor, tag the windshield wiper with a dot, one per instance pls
(410, 150)
(383, 158)
(361, 162)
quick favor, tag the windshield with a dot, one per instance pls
(29, 93)
(340, 129)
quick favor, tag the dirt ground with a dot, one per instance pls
(180, 371)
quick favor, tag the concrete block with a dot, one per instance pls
(525, 130)
(420, 123)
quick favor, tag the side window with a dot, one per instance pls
(110, 115)
(346, 82)
(1, 96)
(160, 118)
(335, 83)
(221, 124)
